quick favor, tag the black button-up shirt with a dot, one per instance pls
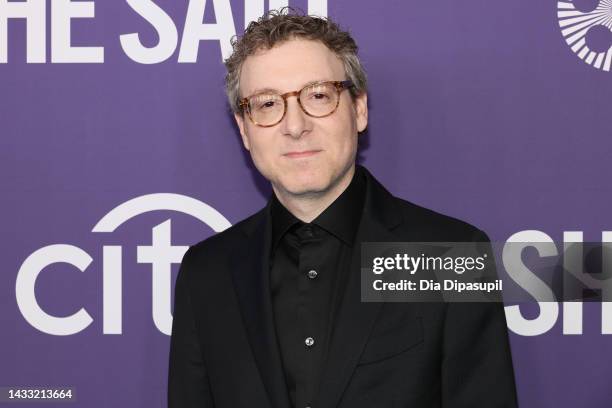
(309, 265)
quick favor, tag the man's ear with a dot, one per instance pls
(361, 111)
(240, 122)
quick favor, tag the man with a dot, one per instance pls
(268, 312)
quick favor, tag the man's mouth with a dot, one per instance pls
(300, 154)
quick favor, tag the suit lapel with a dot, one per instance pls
(355, 318)
(251, 280)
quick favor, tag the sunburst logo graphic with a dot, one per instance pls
(588, 33)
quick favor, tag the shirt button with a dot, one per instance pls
(312, 274)
(308, 232)
(309, 341)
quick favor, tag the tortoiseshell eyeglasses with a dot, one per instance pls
(319, 99)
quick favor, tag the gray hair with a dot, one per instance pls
(278, 26)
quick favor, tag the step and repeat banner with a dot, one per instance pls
(118, 151)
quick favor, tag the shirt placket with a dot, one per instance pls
(309, 269)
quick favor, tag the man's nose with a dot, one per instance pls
(295, 123)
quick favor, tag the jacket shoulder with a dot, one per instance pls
(434, 226)
(222, 242)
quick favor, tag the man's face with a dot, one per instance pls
(301, 155)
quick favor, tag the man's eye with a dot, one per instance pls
(319, 97)
(266, 104)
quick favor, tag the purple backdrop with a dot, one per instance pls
(511, 125)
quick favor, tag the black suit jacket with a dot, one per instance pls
(224, 351)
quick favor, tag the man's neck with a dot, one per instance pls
(307, 207)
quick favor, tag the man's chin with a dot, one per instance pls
(305, 191)
(305, 188)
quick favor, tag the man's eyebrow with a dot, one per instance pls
(262, 90)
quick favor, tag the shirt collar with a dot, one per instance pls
(282, 220)
(340, 219)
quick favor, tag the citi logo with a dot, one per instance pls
(161, 254)
(588, 33)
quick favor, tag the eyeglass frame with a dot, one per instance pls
(340, 86)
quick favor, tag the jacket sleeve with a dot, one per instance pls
(188, 384)
(477, 363)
